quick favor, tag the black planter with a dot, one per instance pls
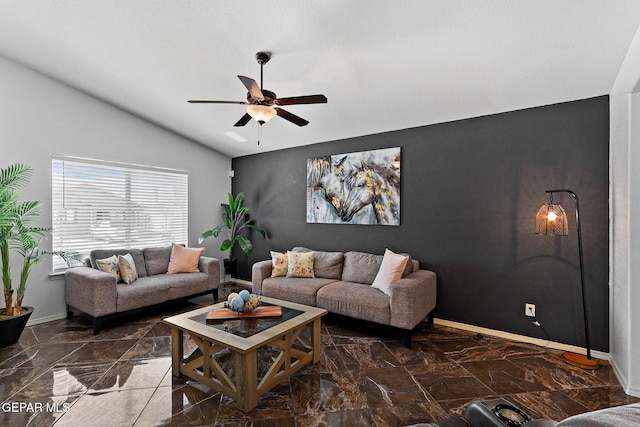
(11, 328)
(230, 266)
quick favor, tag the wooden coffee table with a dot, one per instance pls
(226, 353)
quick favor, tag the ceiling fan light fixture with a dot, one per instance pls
(261, 113)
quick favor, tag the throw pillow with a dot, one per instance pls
(391, 270)
(300, 264)
(279, 264)
(127, 267)
(184, 260)
(109, 265)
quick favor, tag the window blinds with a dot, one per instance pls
(105, 205)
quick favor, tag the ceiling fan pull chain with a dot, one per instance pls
(259, 133)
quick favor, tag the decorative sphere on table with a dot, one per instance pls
(245, 295)
(231, 296)
(237, 303)
(251, 304)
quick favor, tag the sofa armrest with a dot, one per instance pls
(412, 298)
(90, 290)
(260, 271)
(210, 266)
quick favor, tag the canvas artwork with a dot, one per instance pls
(355, 188)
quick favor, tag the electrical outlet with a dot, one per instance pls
(530, 310)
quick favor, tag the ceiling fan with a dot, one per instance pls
(263, 105)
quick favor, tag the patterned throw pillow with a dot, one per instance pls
(300, 264)
(279, 264)
(110, 265)
(127, 268)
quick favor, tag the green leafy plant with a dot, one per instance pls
(19, 234)
(234, 220)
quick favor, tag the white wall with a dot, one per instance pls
(625, 222)
(40, 117)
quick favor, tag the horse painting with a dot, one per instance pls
(355, 188)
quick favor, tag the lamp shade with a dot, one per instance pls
(551, 220)
(261, 113)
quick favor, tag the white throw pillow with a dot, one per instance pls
(390, 270)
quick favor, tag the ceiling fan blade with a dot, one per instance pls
(252, 87)
(291, 117)
(207, 101)
(307, 99)
(243, 120)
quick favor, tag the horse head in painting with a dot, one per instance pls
(350, 188)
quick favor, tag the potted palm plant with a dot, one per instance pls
(18, 235)
(234, 220)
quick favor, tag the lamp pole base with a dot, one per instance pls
(580, 360)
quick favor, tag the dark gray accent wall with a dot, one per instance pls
(470, 192)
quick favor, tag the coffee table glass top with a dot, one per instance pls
(248, 326)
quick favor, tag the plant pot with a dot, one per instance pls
(230, 266)
(11, 327)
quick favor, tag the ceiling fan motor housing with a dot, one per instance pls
(269, 98)
(263, 57)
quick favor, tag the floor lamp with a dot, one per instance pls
(551, 220)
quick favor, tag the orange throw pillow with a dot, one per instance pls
(184, 260)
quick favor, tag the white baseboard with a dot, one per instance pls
(522, 338)
(632, 391)
(46, 319)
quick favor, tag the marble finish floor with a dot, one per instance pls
(61, 374)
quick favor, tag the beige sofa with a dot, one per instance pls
(96, 295)
(342, 285)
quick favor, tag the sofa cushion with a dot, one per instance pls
(185, 284)
(360, 267)
(392, 268)
(156, 260)
(146, 291)
(184, 260)
(301, 291)
(355, 300)
(127, 268)
(110, 265)
(279, 264)
(327, 265)
(136, 254)
(300, 264)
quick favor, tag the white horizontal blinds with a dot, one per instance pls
(107, 205)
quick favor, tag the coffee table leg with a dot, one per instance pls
(177, 350)
(315, 340)
(247, 380)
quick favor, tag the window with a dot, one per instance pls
(99, 204)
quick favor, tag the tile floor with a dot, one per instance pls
(61, 374)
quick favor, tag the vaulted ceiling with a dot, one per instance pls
(383, 65)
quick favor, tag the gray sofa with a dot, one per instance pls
(342, 285)
(96, 295)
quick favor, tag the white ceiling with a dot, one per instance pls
(383, 65)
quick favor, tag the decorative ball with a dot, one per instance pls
(236, 303)
(231, 296)
(251, 304)
(245, 295)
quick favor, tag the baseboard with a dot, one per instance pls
(632, 391)
(522, 338)
(51, 318)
